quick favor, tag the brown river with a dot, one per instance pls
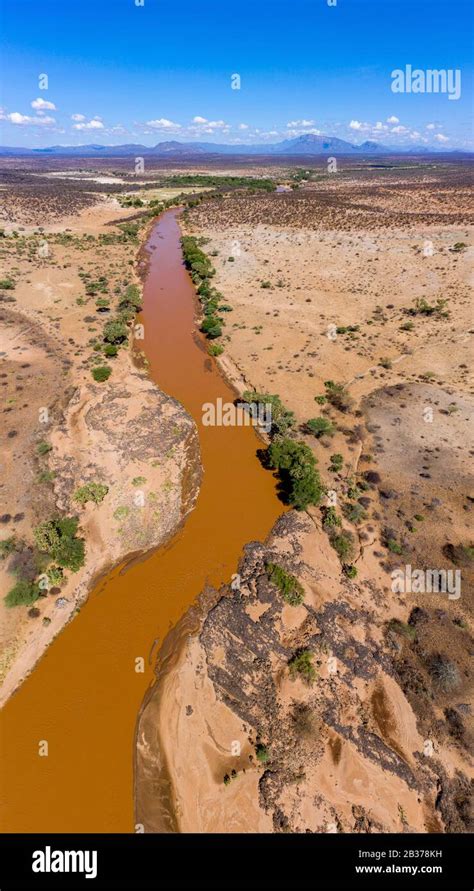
(84, 695)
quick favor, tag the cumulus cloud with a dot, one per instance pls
(43, 105)
(359, 125)
(243, 126)
(199, 120)
(26, 120)
(393, 120)
(163, 124)
(399, 129)
(94, 124)
(302, 123)
(78, 117)
(441, 138)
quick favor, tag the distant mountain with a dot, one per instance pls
(308, 144)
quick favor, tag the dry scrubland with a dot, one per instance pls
(377, 739)
(349, 703)
(63, 430)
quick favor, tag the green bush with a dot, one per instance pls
(24, 593)
(262, 753)
(6, 284)
(337, 462)
(320, 427)
(330, 518)
(302, 664)
(338, 396)
(110, 350)
(115, 331)
(57, 538)
(101, 373)
(211, 326)
(282, 418)
(215, 349)
(43, 447)
(350, 570)
(95, 492)
(296, 465)
(343, 544)
(290, 588)
(7, 547)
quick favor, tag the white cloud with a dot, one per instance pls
(26, 120)
(94, 124)
(358, 125)
(199, 120)
(163, 124)
(441, 138)
(78, 117)
(302, 123)
(399, 129)
(243, 126)
(380, 126)
(393, 120)
(43, 105)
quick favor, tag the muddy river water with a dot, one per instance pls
(84, 695)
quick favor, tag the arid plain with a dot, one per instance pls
(314, 696)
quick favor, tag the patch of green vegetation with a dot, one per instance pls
(301, 664)
(7, 547)
(343, 544)
(45, 476)
(57, 538)
(350, 570)
(138, 480)
(101, 373)
(330, 518)
(296, 465)
(24, 593)
(43, 447)
(394, 546)
(7, 284)
(355, 513)
(288, 585)
(423, 308)
(338, 397)
(94, 492)
(282, 419)
(402, 628)
(215, 349)
(55, 576)
(110, 350)
(262, 753)
(320, 427)
(121, 512)
(337, 462)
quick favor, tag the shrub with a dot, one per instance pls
(262, 753)
(215, 349)
(211, 326)
(55, 576)
(402, 628)
(24, 593)
(6, 284)
(132, 298)
(43, 447)
(350, 570)
(297, 469)
(320, 427)
(338, 396)
(115, 331)
(101, 373)
(337, 462)
(7, 547)
(444, 673)
(57, 538)
(302, 664)
(95, 492)
(282, 418)
(343, 544)
(355, 513)
(330, 518)
(110, 350)
(290, 588)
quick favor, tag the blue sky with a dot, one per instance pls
(118, 72)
